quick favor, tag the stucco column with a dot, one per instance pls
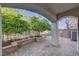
(0, 32)
(78, 42)
(78, 38)
(54, 33)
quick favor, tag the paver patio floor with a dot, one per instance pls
(45, 48)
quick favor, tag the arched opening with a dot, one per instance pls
(21, 27)
(68, 33)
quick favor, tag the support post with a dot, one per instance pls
(54, 33)
(78, 38)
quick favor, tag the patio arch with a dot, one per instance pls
(67, 16)
(33, 8)
(44, 12)
(75, 18)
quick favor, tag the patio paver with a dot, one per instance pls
(45, 48)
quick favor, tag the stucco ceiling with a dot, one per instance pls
(54, 7)
(61, 7)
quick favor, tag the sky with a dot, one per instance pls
(61, 24)
(26, 13)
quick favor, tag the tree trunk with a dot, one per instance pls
(38, 33)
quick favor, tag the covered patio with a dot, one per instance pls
(53, 12)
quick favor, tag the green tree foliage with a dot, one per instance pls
(39, 25)
(12, 23)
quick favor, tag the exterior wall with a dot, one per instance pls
(66, 33)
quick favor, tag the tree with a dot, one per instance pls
(36, 24)
(67, 23)
(12, 22)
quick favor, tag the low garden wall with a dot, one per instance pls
(14, 46)
(15, 43)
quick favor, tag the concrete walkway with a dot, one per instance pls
(68, 46)
(45, 48)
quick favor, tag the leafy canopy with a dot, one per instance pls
(37, 24)
(12, 23)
